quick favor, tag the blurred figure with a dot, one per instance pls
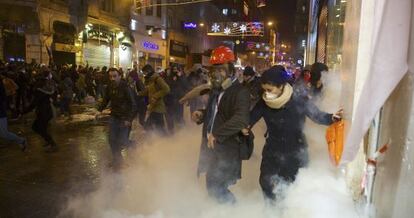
(252, 82)
(315, 79)
(178, 88)
(44, 109)
(4, 132)
(197, 77)
(155, 90)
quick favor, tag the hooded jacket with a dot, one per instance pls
(155, 89)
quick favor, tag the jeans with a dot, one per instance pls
(9, 136)
(118, 136)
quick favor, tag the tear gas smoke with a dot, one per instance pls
(161, 181)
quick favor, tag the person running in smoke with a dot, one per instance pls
(123, 110)
(155, 89)
(284, 111)
(226, 114)
(44, 95)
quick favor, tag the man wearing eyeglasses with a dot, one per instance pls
(123, 111)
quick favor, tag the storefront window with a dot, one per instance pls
(336, 21)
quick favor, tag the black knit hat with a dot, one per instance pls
(276, 75)
(148, 68)
(248, 71)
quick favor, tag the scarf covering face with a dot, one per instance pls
(279, 102)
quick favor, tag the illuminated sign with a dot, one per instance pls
(236, 29)
(190, 25)
(150, 45)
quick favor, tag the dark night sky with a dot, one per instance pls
(283, 13)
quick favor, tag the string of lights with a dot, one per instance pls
(148, 3)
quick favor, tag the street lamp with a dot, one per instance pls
(270, 23)
(201, 24)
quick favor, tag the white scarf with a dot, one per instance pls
(280, 101)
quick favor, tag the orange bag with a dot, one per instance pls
(335, 139)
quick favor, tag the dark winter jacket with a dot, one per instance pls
(42, 103)
(123, 104)
(155, 89)
(255, 90)
(3, 101)
(232, 116)
(285, 125)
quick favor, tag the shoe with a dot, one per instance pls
(23, 146)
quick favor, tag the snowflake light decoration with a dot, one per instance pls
(243, 28)
(215, 28)
(227, 31)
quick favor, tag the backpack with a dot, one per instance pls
(10, 86)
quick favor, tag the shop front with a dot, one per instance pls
(98, 46)
(151, 51)
(178, 53)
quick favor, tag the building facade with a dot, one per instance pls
(67, 32)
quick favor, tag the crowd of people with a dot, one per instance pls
(226, 100)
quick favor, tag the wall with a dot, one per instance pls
(393, 192)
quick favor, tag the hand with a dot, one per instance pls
(196, 116)
(127, 123)
(338, 115)
(245, 131)
(98, 115)
(211, 141)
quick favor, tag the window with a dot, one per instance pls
(159, 8)
(149, 11)
(139, 7)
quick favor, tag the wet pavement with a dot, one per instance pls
(38, 184)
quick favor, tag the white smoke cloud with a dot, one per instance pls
(161, 181)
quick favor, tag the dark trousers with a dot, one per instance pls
(65, 106)
(175, 116)
(156, 122)
(20, 101)
(118, 137)
(40, 126)
(224, 170)
(280, 167)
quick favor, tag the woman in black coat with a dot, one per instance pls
(284, 112)
(42, 103)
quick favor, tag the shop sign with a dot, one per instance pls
(190, 25)
(66, 48)
(150, 45)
